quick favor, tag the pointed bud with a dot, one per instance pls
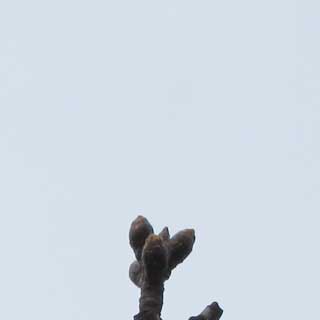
(164, 234)
(180, 246)
(155, 258)
(139, 231)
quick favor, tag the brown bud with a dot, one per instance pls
(155, 258)
(135, 273)
(180, 246)
(139, 231)
(211, 312)
(164, 234)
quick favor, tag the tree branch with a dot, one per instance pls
(157, 256)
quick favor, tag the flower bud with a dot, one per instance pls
(164, 234)
(139, 231)
(155, 258)
(180, 246)
(135, 273)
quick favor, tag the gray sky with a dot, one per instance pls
(199, 114)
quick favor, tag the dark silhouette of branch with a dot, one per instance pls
(156, 257)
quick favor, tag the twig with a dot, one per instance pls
(156, 257)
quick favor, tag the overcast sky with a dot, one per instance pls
(199, 114)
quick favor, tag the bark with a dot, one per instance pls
(156, 257)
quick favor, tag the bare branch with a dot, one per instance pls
(157, 256)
